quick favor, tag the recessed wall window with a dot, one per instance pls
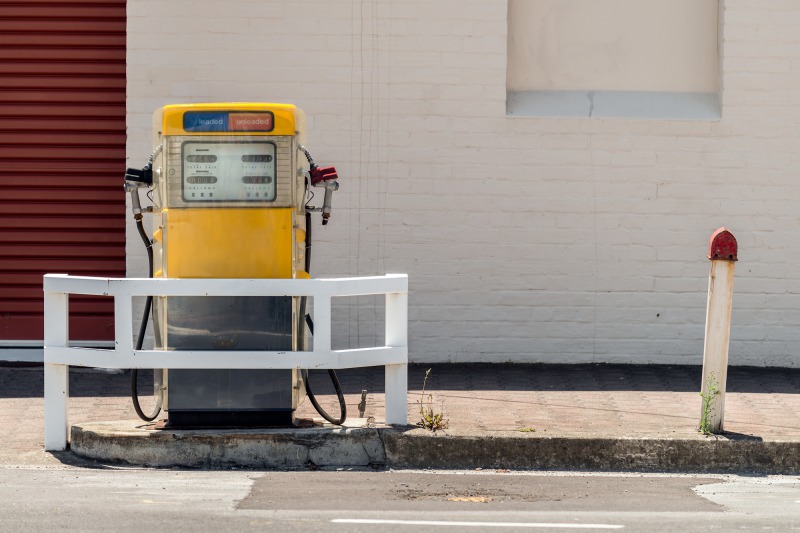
(628, 58)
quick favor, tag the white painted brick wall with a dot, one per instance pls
(526, 239)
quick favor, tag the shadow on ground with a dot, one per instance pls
(28, 381)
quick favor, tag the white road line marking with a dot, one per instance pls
(474, 524)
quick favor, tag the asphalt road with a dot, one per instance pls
(54, 498)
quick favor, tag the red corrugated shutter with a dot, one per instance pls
(62, 157)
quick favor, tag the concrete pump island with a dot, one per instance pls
(237, 321)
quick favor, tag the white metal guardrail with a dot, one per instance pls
(58, 355)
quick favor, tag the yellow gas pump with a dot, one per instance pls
(230, 188)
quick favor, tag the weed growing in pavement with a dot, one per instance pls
(709, 398)
(526, 430)
(429, 419)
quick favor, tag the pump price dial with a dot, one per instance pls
(195, 158)
(257, 179)
(198, 180)
(228, 171)
(256, 158)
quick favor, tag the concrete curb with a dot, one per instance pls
(421, 449)
(130, 442)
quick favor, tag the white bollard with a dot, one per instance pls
(722, 252)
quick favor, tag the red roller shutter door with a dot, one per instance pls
(62, 157)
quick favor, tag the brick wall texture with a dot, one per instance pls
(526, 239)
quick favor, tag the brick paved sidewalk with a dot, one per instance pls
(613, 401)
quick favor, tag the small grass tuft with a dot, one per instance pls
(709, 398)
(430, 419)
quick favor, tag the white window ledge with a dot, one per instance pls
(614, 104)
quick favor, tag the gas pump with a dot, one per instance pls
(230, 185)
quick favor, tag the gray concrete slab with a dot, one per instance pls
(133, 442)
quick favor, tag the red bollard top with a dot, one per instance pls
(723, 246)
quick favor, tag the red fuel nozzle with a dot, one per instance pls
(319, 174)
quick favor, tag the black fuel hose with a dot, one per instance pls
(304, 321)
(342, 406)
(331, 372)
(142, 330)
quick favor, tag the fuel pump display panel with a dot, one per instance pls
(228, 171)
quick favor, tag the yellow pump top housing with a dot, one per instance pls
(230, 190)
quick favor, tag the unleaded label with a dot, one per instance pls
(208, 121)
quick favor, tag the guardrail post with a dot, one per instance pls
(723, 253)
(396, 376)
(123, 323)
(56, 376)
(322, 325)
